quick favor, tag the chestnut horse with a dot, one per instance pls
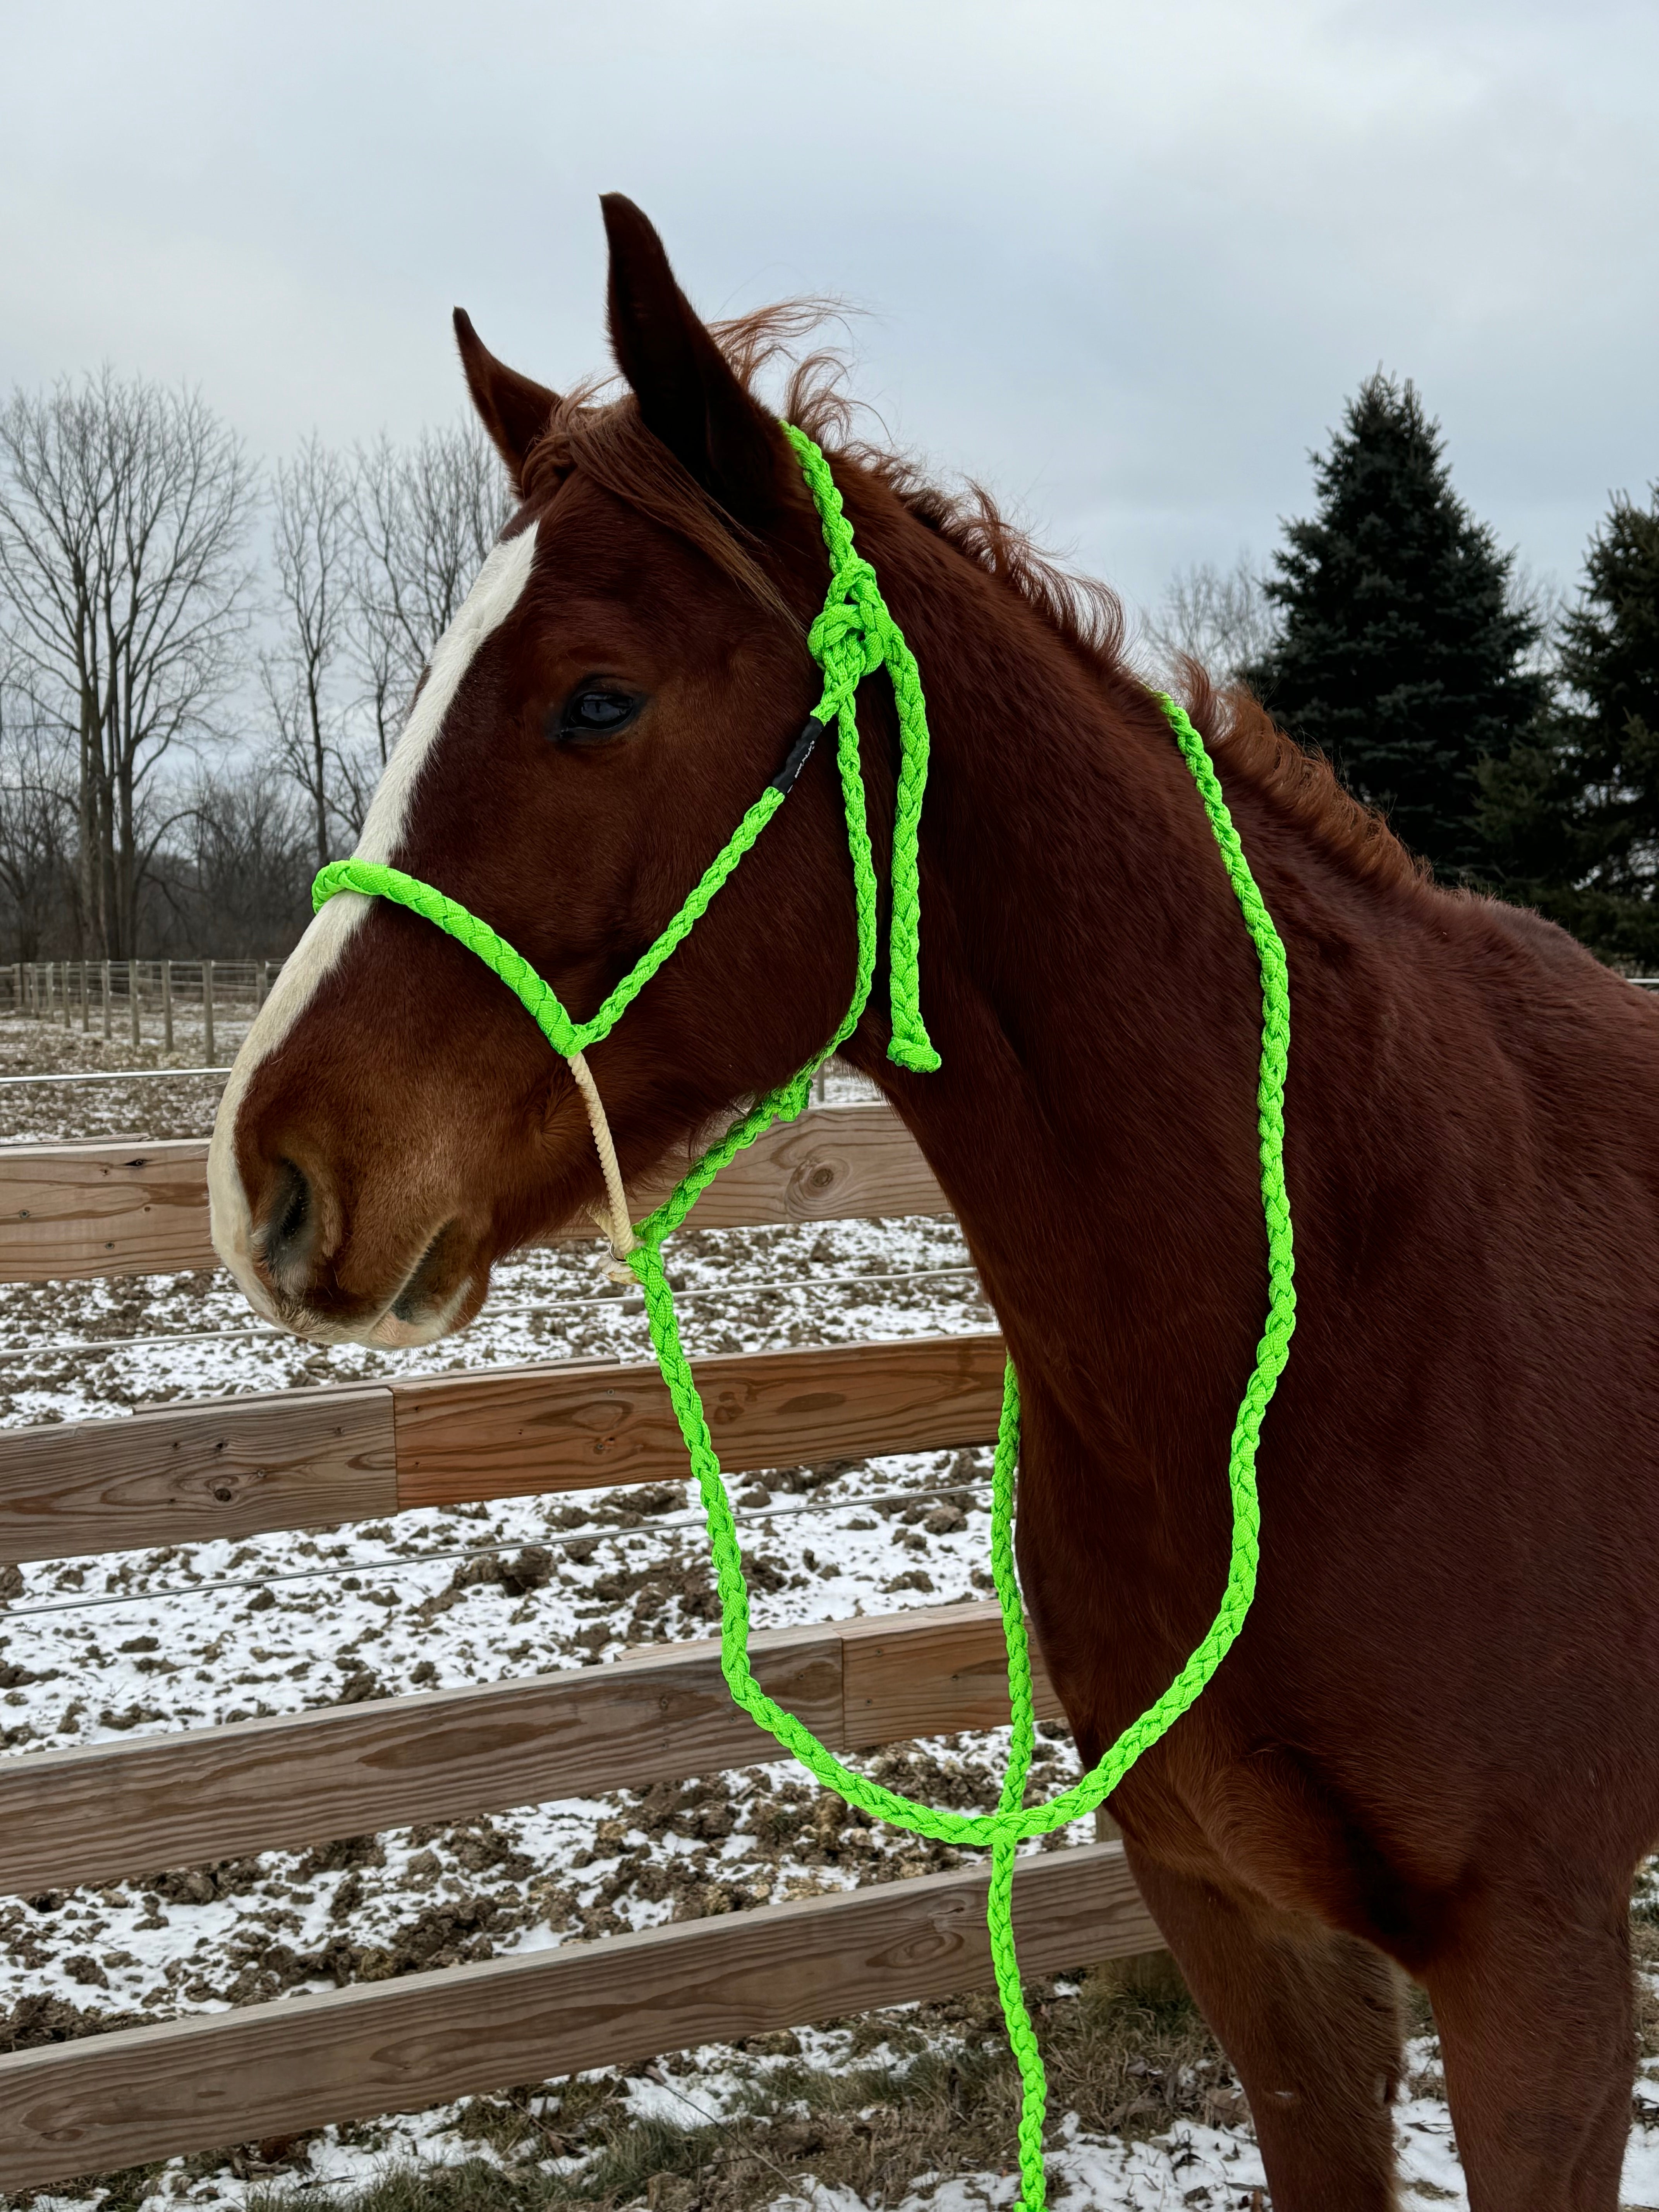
(1437, 1742)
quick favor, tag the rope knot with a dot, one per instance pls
(849, 637)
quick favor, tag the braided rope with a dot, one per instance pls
(372, 879)
(854, 635)
(612, 1216)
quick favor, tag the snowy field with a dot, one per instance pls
(142, 1642)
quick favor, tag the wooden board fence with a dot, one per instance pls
(68, 1211)
(660, 1714)
(273, 2069)
(302, 1459)
(231, 1467)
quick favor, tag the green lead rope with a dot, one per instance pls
(853, 636)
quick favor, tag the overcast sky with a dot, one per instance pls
(1122, 262)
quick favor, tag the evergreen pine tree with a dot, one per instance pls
(1401, 652)
(1610, 667)
(1572, 815)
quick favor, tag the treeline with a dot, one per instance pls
(1513, 741)
(202, 666)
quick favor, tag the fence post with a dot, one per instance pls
(86, 1000)
(135, 1010)
(68, 994)
(166, 1005)
(105, 984)
(207, 1011)
(17, 987)
(262, 987)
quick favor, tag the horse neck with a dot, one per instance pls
(1088, 983)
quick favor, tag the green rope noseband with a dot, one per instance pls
(854, 636)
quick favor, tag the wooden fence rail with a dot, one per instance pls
(660, 1714)
(272, 2068)
(68, 1211)
(304, 1459)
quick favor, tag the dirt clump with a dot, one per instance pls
(40, 2019)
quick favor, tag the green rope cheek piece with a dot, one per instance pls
(853, 636)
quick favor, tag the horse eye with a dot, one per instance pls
(595, 713)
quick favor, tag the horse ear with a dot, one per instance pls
(687, 392)
(512, 409)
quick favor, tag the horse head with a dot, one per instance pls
(625, 676)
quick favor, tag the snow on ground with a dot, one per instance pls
(191, 1635)
(154, 1106)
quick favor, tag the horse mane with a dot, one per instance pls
(1300, 787)
(605, 438)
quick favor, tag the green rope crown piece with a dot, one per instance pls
(854, 636)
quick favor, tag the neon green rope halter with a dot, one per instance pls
(854, 635)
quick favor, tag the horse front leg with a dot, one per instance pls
(1532, 1995)
(1312, 2024)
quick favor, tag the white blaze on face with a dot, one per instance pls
(499, 587)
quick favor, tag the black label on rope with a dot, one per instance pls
(799, 753)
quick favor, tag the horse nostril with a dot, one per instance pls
(412, 1302)
(289, 1223)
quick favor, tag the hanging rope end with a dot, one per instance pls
(913, 1050)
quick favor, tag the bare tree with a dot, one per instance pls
(37, 817)
(315, 604)
(124, 511)
(424, 518)
(238, 868)
(1224, 622)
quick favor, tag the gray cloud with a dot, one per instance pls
(1123, 263)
